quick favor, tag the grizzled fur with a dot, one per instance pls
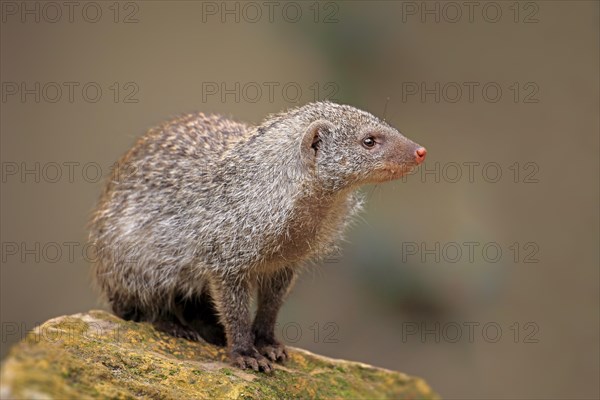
(203, 210)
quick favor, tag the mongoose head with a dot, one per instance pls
(348, 147)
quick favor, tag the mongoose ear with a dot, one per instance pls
(311, 141)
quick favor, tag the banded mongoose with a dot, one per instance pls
(202, 211)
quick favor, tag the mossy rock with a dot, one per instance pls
(97, 355)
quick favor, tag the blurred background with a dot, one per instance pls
(479, 273)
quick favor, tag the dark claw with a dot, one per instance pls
(251, 360)
(274, 352)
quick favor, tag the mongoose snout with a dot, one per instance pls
(420, 154)
(212, 211)
(392, 154)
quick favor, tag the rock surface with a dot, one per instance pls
(97, 355)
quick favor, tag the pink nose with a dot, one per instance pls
(420, 154)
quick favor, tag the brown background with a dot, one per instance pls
(376, 293)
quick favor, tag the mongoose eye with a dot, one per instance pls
(368, 142)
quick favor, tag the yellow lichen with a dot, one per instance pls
(97, 355)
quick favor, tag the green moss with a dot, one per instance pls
(97, 355)
(226, 371)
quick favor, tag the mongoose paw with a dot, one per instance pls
(251, 359)
(177, 330)
(273, 351)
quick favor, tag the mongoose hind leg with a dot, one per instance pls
(271, 293)
(169, 323)
(201, 314)
(173, 324)
(126, 309)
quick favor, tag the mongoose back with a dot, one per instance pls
(203, 212)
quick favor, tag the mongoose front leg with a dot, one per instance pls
(232, 296)
(271, 292)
